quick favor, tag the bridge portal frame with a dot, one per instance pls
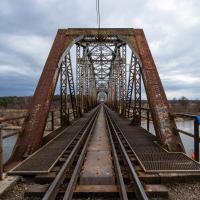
(32, 134)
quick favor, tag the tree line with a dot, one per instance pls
(182, 104)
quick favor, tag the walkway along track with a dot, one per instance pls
(54, 190)
(65, 178)
(66, 183)
(57, 149)
(80, 148)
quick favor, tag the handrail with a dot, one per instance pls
(12, 118)
(143, 108)
(175, 114)
(22, 117)
(196, 137)
(1, 153)
(10, 134)
(185, 115)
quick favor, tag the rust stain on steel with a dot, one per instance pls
(102, 31)
(34, 125)
(162, 116)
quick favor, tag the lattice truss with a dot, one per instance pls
(104, 60)
(133, 95)
(67, 84)
(101, 75)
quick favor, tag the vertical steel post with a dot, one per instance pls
(70, 80)
(196, 139)
(147, 119)
(123, 74)
(161, 114)
(1, 153)
(137, 104)
(112, 92)
(117, 79)
(78, 87)
(91, 85)
(120, 77)
(82, 79)
(52, 120)
(86, 106)
(63, 95)
(129, 93)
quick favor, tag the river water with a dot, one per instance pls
(188, 142)
(8, 144)
(188, 126)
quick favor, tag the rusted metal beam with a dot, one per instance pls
(131, 79)
(12, 118)
(123, 78)
(96, 32)
(70, 80)
(64, 117)
(137, 101)
(1, 153)
(163, 119)
(34, 124)
(78, 84)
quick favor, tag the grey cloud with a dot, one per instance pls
(172, 29)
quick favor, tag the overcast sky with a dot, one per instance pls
(172, 28)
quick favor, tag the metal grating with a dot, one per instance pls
(45, 158)
(152, 157)
(167, 162)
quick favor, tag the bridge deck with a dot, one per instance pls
(43, 160)
(152, 157)
(98, 167)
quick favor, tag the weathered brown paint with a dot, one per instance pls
(34, 125)
(162, 116)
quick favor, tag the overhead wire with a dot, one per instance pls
(98, 15)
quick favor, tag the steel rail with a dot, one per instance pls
(139, 190)
(120, 180)
(60, 177)
(70, 188)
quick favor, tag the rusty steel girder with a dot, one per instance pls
(32, 134)
(137, 100)
(163, 119)
(33, 128)
(131, 80)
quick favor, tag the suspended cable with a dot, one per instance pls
(98, 16)
(97, 11)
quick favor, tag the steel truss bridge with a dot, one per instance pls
(110, 67)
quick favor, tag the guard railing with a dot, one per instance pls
(196, 124)
(2, 137)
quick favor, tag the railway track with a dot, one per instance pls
(79, 151)
(118, 143)
(67, 179)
